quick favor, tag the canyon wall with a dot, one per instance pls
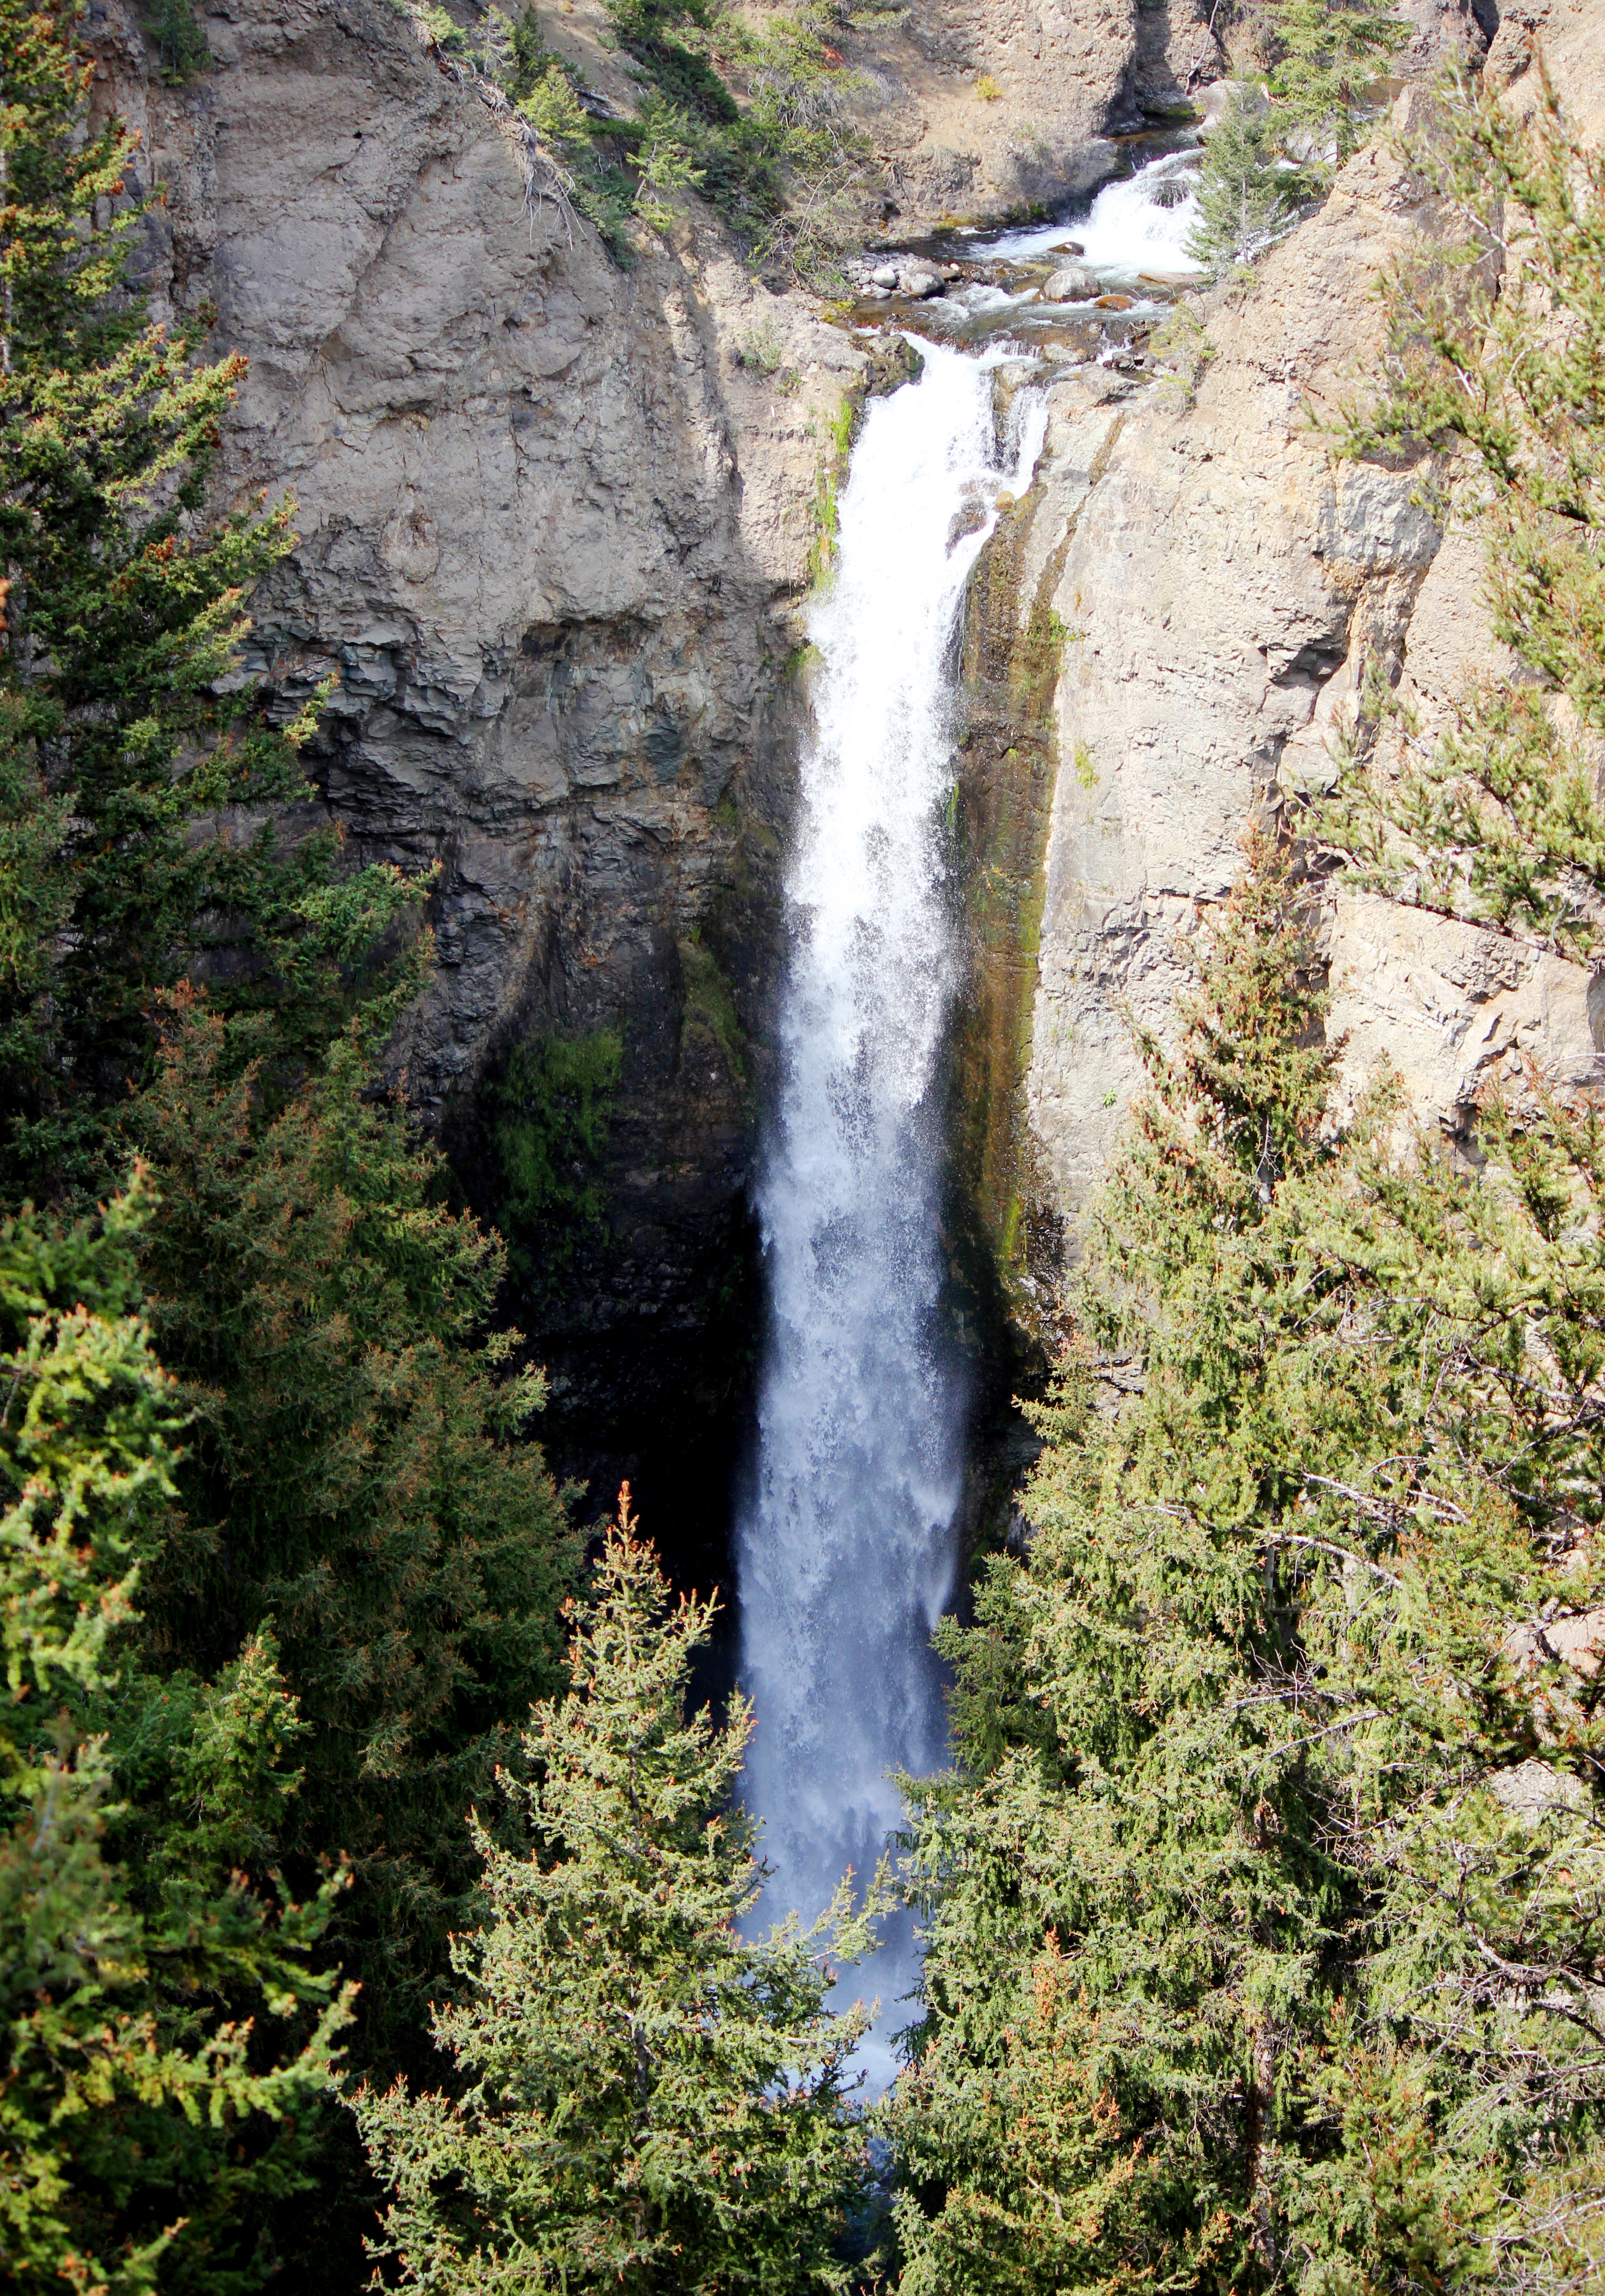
(558, 521)
(553, 535)
(1225, 584)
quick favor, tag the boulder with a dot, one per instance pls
(920, 280)
(893, 362)
(1073, 282)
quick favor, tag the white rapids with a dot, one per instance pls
(1139, 224)
(845, 1549)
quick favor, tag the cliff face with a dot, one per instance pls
(556, 520)
(554, 532)
(976, 108)
(1225, 584)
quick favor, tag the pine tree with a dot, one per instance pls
(1277, 146)
(360, 1555)
(1332, 53)
(1247, 195)
(644, 2096)
(139, 803)
(143, 2124)
(1261, 1907)
(360, 1476)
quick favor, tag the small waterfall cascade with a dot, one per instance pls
(1140, 222)
(845, 1550)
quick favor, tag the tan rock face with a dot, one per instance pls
(976, 108)
(1451, 1007)
(1568, 38)
(1226, 584)
(1224, 579)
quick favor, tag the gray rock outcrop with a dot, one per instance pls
(1072, 282)
(555, 518)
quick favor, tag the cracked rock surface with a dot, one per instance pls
(1225, 585)
(555, 525)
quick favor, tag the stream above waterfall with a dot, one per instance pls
(846, 1549)
(1134, 236)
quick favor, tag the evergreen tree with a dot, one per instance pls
(1262, 1907)
(1247, 195)
(646, 2098)
(163, 2038)
(359, 1541)
(357, 1476)
(1277, 146)
(139, 803)
(1332, 53)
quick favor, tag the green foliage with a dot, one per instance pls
(667, 165)
(1261, 1908)
(798, 86)
(762, 349)
(1331, 54)
(549, 1114)
(144, 2123)
(554, 111)
(355, 1476)
(56, 270)
(1246, 194)
(709, 1011)
(1183, 346)
(529, 60)
(748, 115)
(1279, 145)
(762, 352)
(831, 477)
(180, 42)
(644, 2096)
(1497, 353)
(254, 1772)
(784, 167)
(136, 806)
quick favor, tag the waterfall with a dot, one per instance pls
(846, 1553)
(1138, 223)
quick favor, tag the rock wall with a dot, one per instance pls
(978, 109)
(1225, 585)
(553, 535)
(558, 519)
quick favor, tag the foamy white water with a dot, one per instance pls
(1129, 229)
(846, 1554)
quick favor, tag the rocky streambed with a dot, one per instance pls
(1092, 286)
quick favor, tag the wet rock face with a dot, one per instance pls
(1072, 282)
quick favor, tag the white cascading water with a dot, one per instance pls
(1139, 224)
(845, 1551)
